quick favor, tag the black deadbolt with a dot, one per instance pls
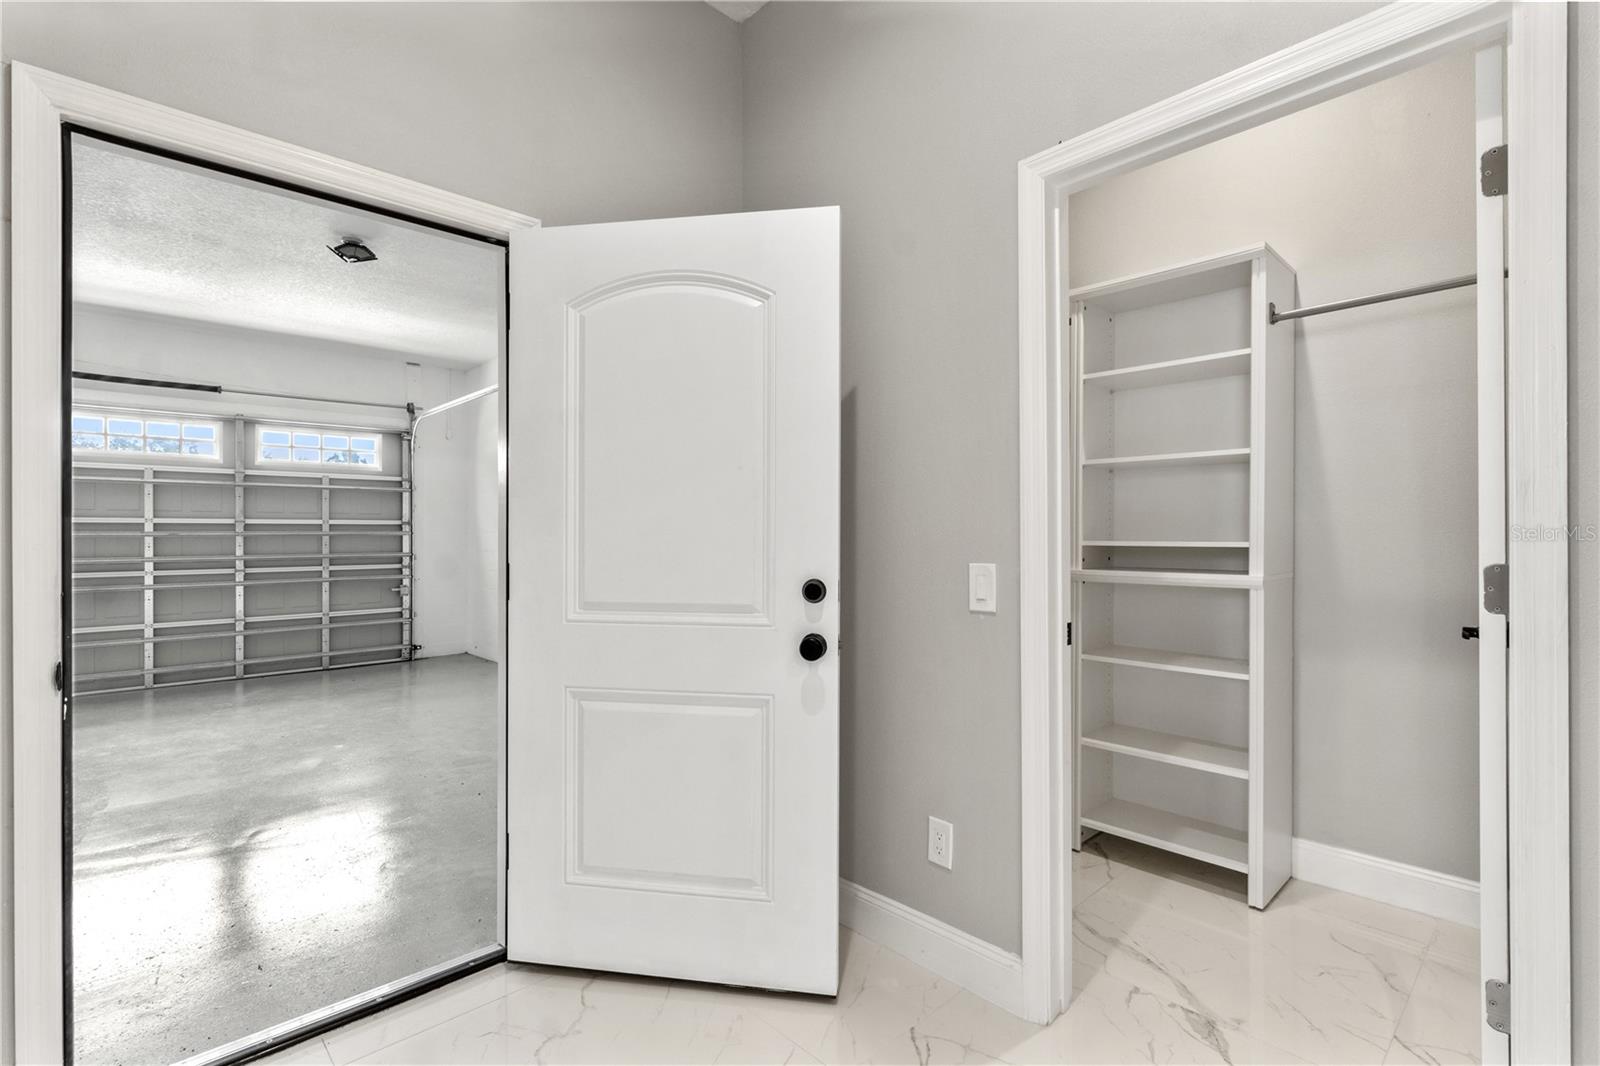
(813, 646)
(814, 591)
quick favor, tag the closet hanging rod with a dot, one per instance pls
(1274, 316)
(189, 386)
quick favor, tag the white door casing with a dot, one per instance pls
(673, 481)
(1494, 883)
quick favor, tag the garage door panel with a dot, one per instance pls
(180, 624)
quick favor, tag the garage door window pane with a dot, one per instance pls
(304, 446)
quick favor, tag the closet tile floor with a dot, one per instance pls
(1170, 966)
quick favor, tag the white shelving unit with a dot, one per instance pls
(1183, 562)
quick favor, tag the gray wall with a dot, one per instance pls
(571, 112)
(1583, 257)
(1367, 192)
(912, 117)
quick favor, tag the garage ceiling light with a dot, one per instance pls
(353, 251)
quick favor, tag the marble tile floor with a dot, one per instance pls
(1170, 966)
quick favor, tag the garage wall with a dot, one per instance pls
(1368, 192)
(447, 455)
(487, 595)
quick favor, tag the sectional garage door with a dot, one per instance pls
(209, 548)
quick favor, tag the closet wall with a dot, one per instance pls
(455, 498)
(1368, 192)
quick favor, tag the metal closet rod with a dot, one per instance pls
(190, 386)
(1274, 316)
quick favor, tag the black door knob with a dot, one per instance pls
(813, 646)
(814, 591)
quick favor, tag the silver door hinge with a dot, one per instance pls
(1492, 170)
(1496, 578)
(1497, 1005)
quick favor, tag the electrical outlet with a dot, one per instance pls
(941, 842)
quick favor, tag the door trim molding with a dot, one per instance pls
(41, 103)
(1364, 50)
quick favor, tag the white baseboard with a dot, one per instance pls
(976, 965)
(1440, 895)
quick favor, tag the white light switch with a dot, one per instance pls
(980, 587)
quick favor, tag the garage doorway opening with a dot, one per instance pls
(284, 541)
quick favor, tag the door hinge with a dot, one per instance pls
(1069, 634)
(1496, 578)
(60, 677)
(1492, 170)
(1497, 1005)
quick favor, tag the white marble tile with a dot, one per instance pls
(612, 1019)
(1170, 966)
(1091, 871)
(882, 996)
(1112, 1021)
(485, 1035)
(351, 1042)
(1441, 1019)
(969, 1029)
(1323, 989)
(1456, 941)
(1376, 919)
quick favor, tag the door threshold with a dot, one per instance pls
(325, 1019)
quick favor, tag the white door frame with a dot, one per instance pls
(41, 102)
(1362, 51)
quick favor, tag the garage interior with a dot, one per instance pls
(287, 602)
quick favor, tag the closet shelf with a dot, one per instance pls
(1216, 457)
(1241, 544)
(1172, 661)
(1193, 837)
(1172, 371)
(1132, 575)
(1221, 759)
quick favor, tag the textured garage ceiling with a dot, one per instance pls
(154, 235)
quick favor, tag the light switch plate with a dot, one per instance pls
(981, 587)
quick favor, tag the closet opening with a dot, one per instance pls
(1284, 466)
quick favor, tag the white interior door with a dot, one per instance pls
(1493, 877)
(673, 484)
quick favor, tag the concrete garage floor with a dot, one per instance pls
(245, 852)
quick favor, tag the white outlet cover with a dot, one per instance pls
(941, 842)
(981, 587)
